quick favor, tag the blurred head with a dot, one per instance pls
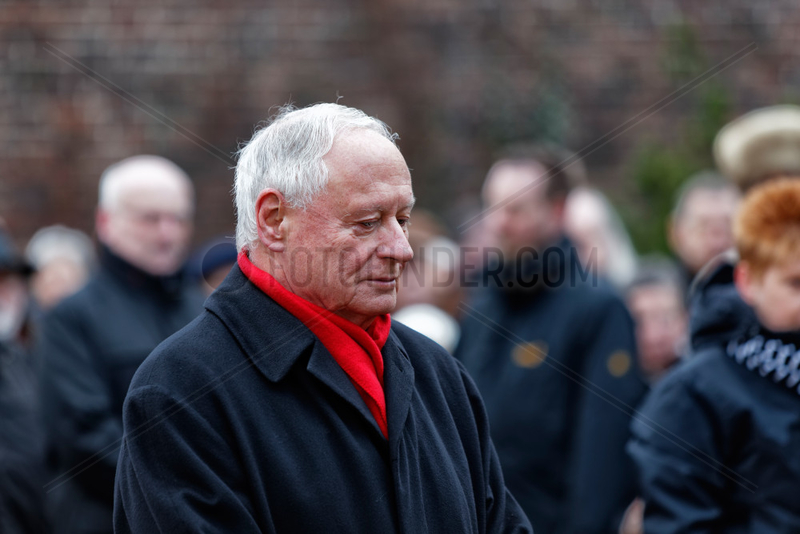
(213, 262)
(63, 259)
(145, 213)
(323, 200)
(656, 301)
(760, 145)
(767, 232)
(700, 225)
(524, 196)
(599, 236)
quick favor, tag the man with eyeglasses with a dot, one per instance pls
(93, 342)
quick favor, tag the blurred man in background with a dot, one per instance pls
(93, 342)
(656, 299)
(700, 225)
(21, 441)
(552, 353)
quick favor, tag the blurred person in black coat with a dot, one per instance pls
(552, 351)
(92, 342)
(717, 441)
(294, 403)
(22, 474)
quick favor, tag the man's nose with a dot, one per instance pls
(395, 244)
(170, 226)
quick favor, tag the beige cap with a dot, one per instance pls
(759, 144)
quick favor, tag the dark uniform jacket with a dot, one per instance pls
(555, 366)
(717, 444)
(243, 422)
(22, 475)
(91, 345)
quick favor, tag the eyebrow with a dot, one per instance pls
(381, 209)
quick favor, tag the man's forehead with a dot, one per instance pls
(157, 197)
(703, 199)
(511, 180)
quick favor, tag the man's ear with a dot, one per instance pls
(743, 279)
(271, 219)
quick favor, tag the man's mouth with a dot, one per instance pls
(383, 281)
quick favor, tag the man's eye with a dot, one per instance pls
(403, 222)
(368, 224)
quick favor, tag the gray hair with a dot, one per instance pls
(701, 181)
(119, 176)
(58, 242)
(287, 155)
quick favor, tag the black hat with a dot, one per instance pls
(10, 258)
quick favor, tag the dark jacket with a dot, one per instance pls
(556, 368)
(91, 344)
(22, 475)
(717, 443)
(243, 422)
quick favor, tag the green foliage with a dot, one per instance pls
(658, 169)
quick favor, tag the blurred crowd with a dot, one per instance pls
(572, 338)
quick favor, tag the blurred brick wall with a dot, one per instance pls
(84, 83)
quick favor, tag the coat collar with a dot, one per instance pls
(275, 340)
(168, 287)
(270, 336)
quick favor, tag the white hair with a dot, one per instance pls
(287, 155)
(58, 242)
(119, 176)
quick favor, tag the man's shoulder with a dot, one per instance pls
(79, 307)
(596, 296)
(704, 378)
(201, 349)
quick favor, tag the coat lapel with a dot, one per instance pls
(398, 382)
(325, 369)
(274, 340)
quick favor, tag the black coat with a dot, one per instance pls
(91, 344)
(22, 474)
(559, 422)
(717, 443)
(243, 422)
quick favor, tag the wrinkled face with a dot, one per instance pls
(346, 251)
(661, 326)
(775, 295)
(705, 228)
(152, 224)
(518, 212)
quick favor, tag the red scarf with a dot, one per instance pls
(356, 350)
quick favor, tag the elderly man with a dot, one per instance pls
(93, 342)
(294, 404)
